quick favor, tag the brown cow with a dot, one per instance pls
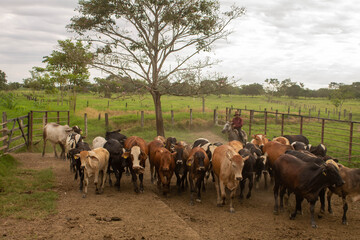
(282, 140)
(94, 162)
(236, 145)
(164, 165)
(152, 147)
(259, 139)
(136, 155)
(272, 150)
(198, 163)
(350, 189)
(227, 166)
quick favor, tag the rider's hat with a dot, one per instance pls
(237, 113)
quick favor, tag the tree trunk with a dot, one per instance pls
(158, 113)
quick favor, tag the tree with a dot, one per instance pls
(272, 87)
(70, 64)
(108, 85)
(152, 40)
(339, 93)
(252, 89)
(2, 80)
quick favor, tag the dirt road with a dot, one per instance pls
(150, 215)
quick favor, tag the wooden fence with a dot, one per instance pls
(15, 133)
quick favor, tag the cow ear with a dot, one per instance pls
(76, 156)
(126, 155)
(253, 136)
(77, 137)
(190, 161)
(93, 154)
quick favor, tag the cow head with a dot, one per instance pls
(259, 139)
(85, 158)
(179, 158)
(331, 172)
(137, 158)
(237, 164)
(170, 144)
(197, 161)
(77, 129)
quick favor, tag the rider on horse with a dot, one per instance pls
(237, 123)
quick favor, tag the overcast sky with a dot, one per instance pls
(310, 41)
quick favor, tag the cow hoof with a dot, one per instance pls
(320, 216)
(232, 210)
(191, 203)
(83, 195)
(198, 200)
(344, 222)
(292, 217)
(330, 211)
(314, 225)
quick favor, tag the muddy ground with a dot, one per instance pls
(150, 215)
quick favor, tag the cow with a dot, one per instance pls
(75, 163)
(116, 161)
(71, 142)
(164, 165)
(152, 147)
(299, 146)
(116, 135)
(320, 150)
(209, 149)
(236, 145)
(182, 154)
(297, 138)
(259, 139)
(248, 171)
(282, 140)
(198, 163)
(57, 134)
(272, 150)
(136, 154)
(98, 142)
(170, 143)
(260, 162)
(350, 189)
(306, 156)
(94, 162)
(227, 166)
(305, 179)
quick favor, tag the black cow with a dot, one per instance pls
(259, 163)
(170, 143)
(306, 156)
(75, 164)
(320, 150)
(247, 172)
(116, 135)
(116, 161)
(180, 158)
(299, 146)
(297, 138)
(305, 179)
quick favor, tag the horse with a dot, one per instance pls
(233, 133)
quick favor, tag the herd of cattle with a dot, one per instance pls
(294, 165)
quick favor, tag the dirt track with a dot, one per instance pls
(127, 215)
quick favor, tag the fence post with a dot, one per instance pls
(46, 117)
(339, 115)
(203, 104)
(289, 110)
(322, 130)
(85, 124)
(301, 124)
(142, 119)
(351, 139)
(172, 118)
(31, 119)
(282, 124)
(350, 116)
(190, 117)
(299, 110)
(251, 116)
(215, 117)
(226, 114)
(328, 114)
(68, 113)
(265, 121)
(108, 103)
(106, 121)
(44, 121)
(4, 119)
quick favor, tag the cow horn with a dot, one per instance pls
(246, 158)
(330, 161)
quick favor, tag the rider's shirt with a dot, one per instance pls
(237, 122)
